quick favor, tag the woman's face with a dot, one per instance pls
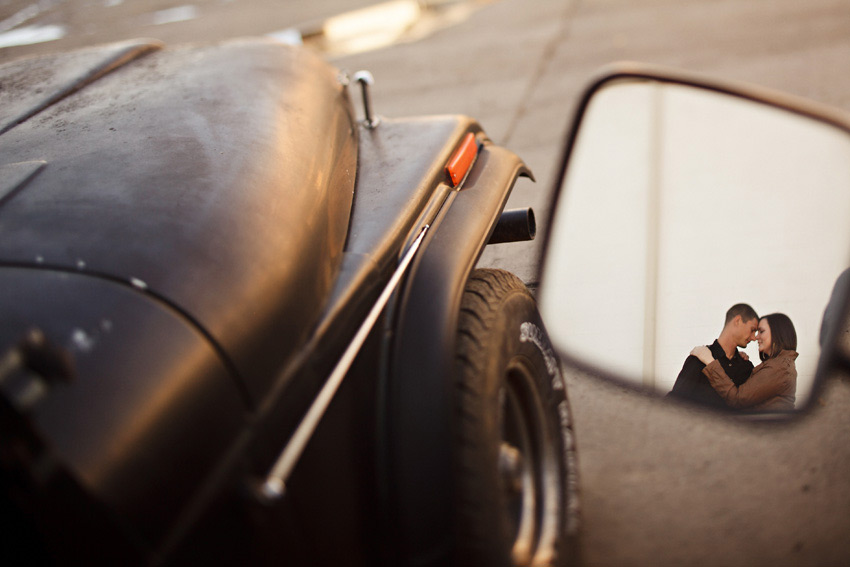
(763, 336)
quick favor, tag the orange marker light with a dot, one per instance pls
(462, 159)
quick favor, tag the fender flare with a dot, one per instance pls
(415, 430)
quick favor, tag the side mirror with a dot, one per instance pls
(681, 197)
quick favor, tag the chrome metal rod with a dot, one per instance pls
(274, 486)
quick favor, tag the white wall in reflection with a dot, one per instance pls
(680, 203)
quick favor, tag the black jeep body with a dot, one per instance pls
(191, 238)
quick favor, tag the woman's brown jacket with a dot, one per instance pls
(771, 386)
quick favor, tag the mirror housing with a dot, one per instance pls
(643, 252)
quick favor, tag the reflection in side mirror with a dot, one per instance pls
(679, 202)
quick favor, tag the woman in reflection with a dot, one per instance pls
(773, 383)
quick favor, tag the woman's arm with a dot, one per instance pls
(767, 381)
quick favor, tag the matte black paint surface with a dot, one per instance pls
(217, 194)
(146, 384)
(191, 233)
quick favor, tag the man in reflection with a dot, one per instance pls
(739, 330)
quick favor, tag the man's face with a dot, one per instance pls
(746, 331)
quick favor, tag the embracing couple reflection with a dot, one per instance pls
(722, 376)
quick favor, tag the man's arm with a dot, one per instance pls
(693, 385)
(688, 378)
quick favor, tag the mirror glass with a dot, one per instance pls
(679, 202)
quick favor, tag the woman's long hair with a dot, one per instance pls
(782, 335)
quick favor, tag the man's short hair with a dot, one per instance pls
(745, 311)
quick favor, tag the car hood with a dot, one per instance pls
(217, 179)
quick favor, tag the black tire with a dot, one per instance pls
(517, 498)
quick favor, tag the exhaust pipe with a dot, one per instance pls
(514, 225)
